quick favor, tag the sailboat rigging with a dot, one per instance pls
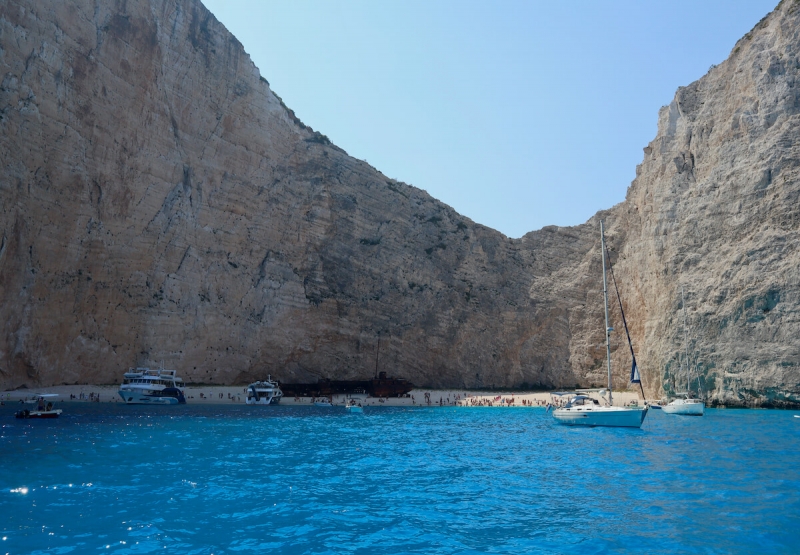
(582, 410)
(635, 375)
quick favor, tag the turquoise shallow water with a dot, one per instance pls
(219, 479)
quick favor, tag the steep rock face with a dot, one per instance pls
(160, 203)
(714, 210)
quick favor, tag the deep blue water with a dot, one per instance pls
(218, 479)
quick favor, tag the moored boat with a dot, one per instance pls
(687, 406)
(44, 407)
(264, 392)
(354, 406)
(145, 386)
(582, 410)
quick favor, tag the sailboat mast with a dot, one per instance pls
(605, 301)
(685, 341)
(377, 352)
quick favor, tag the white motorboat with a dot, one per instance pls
(44, 406)
(322, 402)
(687, 405)
(144, 386)
(264, 392)
(354, 406)
(582, 410)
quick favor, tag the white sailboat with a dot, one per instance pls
(581, 410)
(687, 405)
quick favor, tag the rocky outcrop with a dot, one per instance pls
(159, 202)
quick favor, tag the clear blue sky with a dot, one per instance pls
(518, 114)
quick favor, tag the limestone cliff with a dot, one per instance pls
(714, 209)
(158, 202)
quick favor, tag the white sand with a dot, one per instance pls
(210, 394)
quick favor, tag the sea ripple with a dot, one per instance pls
(311, 480)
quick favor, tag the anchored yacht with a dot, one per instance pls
(265, 392)
(145, 386)
(582, 410)
(688, 406)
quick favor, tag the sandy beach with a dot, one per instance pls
(235, 394)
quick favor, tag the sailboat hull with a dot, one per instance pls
(617, 417)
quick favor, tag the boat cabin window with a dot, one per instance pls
(582, 401)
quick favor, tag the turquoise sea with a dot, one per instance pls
(107, 478)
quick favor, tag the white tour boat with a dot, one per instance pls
(265, 392)
(687, 405)
(582, 410)
(144, 386)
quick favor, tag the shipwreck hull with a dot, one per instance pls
(375, 387)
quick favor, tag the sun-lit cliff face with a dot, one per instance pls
(714, 210)
(158, 202)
